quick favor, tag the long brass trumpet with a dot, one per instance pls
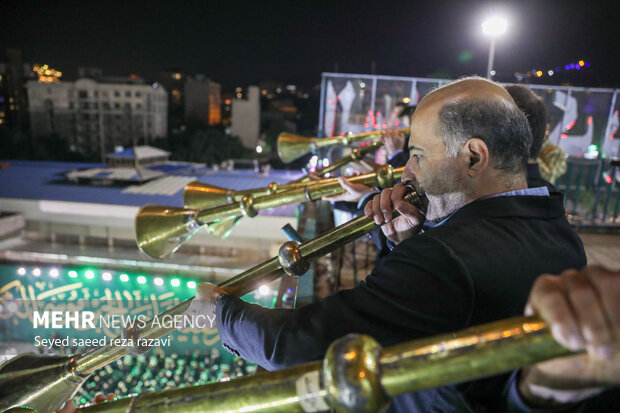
(356, 154)
(161, 230)
(198, 195)
(291, 146)
(44, 383)
(357, 375)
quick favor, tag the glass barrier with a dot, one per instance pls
(578, 117)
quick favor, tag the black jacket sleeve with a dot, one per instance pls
(420, 289)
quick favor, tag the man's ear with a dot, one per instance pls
(476, 154)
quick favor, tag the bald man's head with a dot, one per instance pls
(478, 108)
(469, 87)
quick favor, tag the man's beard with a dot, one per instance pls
(445, 190)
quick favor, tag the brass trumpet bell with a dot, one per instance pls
(41, 382)
(291, 146)
(161, 230)
(198, 195)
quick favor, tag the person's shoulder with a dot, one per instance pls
(437, 242)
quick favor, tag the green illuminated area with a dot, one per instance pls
(102, 276)
(195, 357)
(182, 287)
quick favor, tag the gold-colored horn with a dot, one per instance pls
(161, 230)
(357, 375)
(198, 195)
(44, 384)
(291, 146)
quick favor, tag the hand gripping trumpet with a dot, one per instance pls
(357, 375)
(43, 383)
(161, 230)
(198, 195)
(291, 147)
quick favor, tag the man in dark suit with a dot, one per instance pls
(492, 237)
(536, 113)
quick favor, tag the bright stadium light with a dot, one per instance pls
(493, 27)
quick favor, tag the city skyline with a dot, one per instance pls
(241, 44)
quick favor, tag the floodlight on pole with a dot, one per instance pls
(493, 27)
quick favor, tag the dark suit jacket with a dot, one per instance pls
(477, 267)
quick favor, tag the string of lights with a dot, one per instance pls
(90, 274)
(142, 280)
(573, 66)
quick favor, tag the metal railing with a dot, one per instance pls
(591, 190)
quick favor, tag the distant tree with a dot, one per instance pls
(271, 132)
(15, 144)
(56, 148)
(208, 146)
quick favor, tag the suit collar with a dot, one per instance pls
(523, 206)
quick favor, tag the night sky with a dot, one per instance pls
(238, 43)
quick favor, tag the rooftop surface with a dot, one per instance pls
(38, 180)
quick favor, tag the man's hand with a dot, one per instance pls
(583, 311)
(393, 141)
(204, 303)
(353, 192)
(406, 225)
